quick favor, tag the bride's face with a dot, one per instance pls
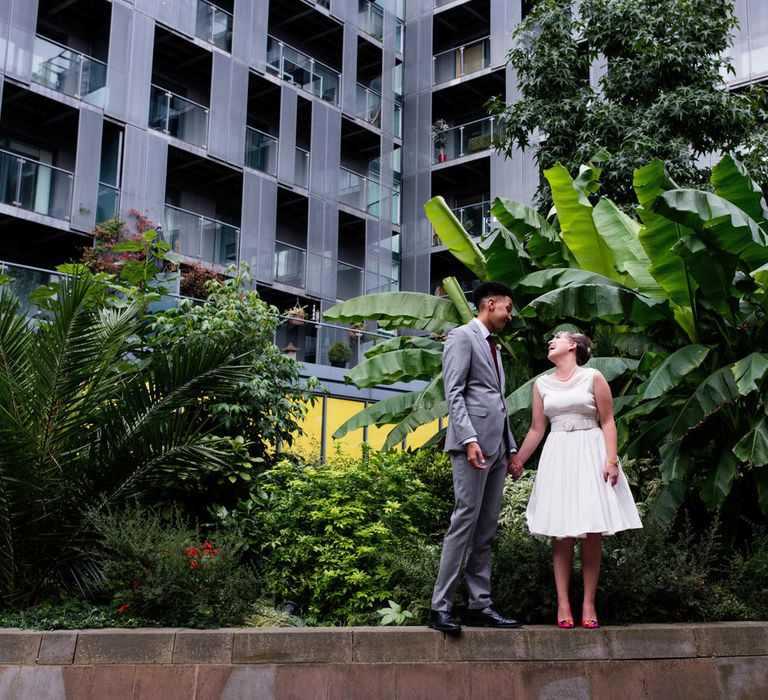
(559, 346)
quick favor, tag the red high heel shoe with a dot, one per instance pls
(566, 623)
(588, 624)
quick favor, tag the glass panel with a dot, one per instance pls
(368, 105)
(299, 69)
(462, 60)
(35, 186)
(178, 117)
(301, 173)
(325, 83)
(475, 218)
(397, 127)
(289, 264)
(108, 203)
(351, 188)
(69, 72)
(371, 19)
(399, 36)
(201, 237)
(303, 337)
(24, 281)
(260, 151)
(464, 139)
(349, 281)
(214, 25)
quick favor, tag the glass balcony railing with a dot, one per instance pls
(368, 105)
(463, 140)
(349, 281)
(290, 264)
(299, 69)
(301, 170)
(35, 186)
(363, 193)
(108, 202)
(201, 237)
(399, 35)
(214, 25)
(461, 61)
(178, 117)
(475, 218)
(370, 18)
(69, 72)
(260, 151)
(23, 280)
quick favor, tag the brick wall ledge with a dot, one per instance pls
(727, 660)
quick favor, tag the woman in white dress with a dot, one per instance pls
(580, 491)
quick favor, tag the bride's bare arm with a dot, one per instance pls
(535, 432)
(604, 402)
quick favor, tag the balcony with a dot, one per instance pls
(475, 218)
(214, 25)
(370, 18)
(301, 70)
(461, 61)
(260, 151)
(464, 140)
(290, 265)
(368, 105)
(28, 184)
(69, 72)
(178, 117)
(201, 237)
(363, 193)
(301, 171)
(349, 281)
(108, 203)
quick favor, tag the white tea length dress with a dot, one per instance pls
(570, 498)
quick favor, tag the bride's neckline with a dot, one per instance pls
(567, 379)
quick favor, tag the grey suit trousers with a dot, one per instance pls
(473, 526)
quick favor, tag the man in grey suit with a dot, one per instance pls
(481, 446)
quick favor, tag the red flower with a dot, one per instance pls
(123, 608)
(193, 564)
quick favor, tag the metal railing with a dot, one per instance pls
(463, 60)
(370, 18)
(38, 187)
(214, 25)
(68, 71)
(301, 168)
(290, 264)
(107, 203)
(363, 193)
(463, 140)
(260, 151)
(178, 117)
(201, 237)
(368, 105)
(302, 70)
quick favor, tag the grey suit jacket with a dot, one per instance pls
(475, 394)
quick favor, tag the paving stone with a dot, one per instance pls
(157, 682)
(742, 678)
(502, 681)
(250, 683)
(19, 646)
(551, 644)
(141, 646)
(38, 683)
(389, 644)
(211, 681)
(8, 676)
(203, 647)
(57, 647)
(487, 645)
(731, 638)
(78, 681)
(651, 642)
(369, 681)
(112, 682)
(447, 681)
(307, 645)
(302, 682)
(554, 680)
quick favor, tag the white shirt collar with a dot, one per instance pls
(482, 327)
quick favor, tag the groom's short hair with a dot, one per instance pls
(486, 290)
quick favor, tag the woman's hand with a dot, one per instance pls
(611, 472)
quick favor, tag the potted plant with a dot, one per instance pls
(355, 329)
(296, 314)
(440, 137)
(339, 354)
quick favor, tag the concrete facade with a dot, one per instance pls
(721, 661)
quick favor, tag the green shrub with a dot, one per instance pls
(163, 571)
(69, 614)
(321, 532)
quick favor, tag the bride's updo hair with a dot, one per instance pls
(583, 346)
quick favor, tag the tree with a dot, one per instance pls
(662, 94)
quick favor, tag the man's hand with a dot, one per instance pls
(475, 455)
(514, 466)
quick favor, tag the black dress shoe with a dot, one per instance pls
(488, 617)
(442, 621)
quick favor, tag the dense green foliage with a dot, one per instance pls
(660, 94)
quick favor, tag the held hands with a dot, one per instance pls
(611, 473)
(514, 466)
(475, 455)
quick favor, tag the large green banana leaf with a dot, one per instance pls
(505, 259)
(761, 275)
(590, 301)
(749, 372)
(578, 229)
(392, 310)
(538, 237)
(657, 237)
(732, 182)
(403, 342)
(456, 295)
(454, 237)
(672, 371)
(396, 366)
(546, 280)
(416, 418)
(718, 221)
(717, 482)
(753, 447)
(668, 502)
(389, 410)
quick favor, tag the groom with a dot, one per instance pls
(481, 446)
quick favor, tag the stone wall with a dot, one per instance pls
(727, 661)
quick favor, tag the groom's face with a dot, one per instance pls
(500, 312)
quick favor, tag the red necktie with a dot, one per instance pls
(493, 354)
